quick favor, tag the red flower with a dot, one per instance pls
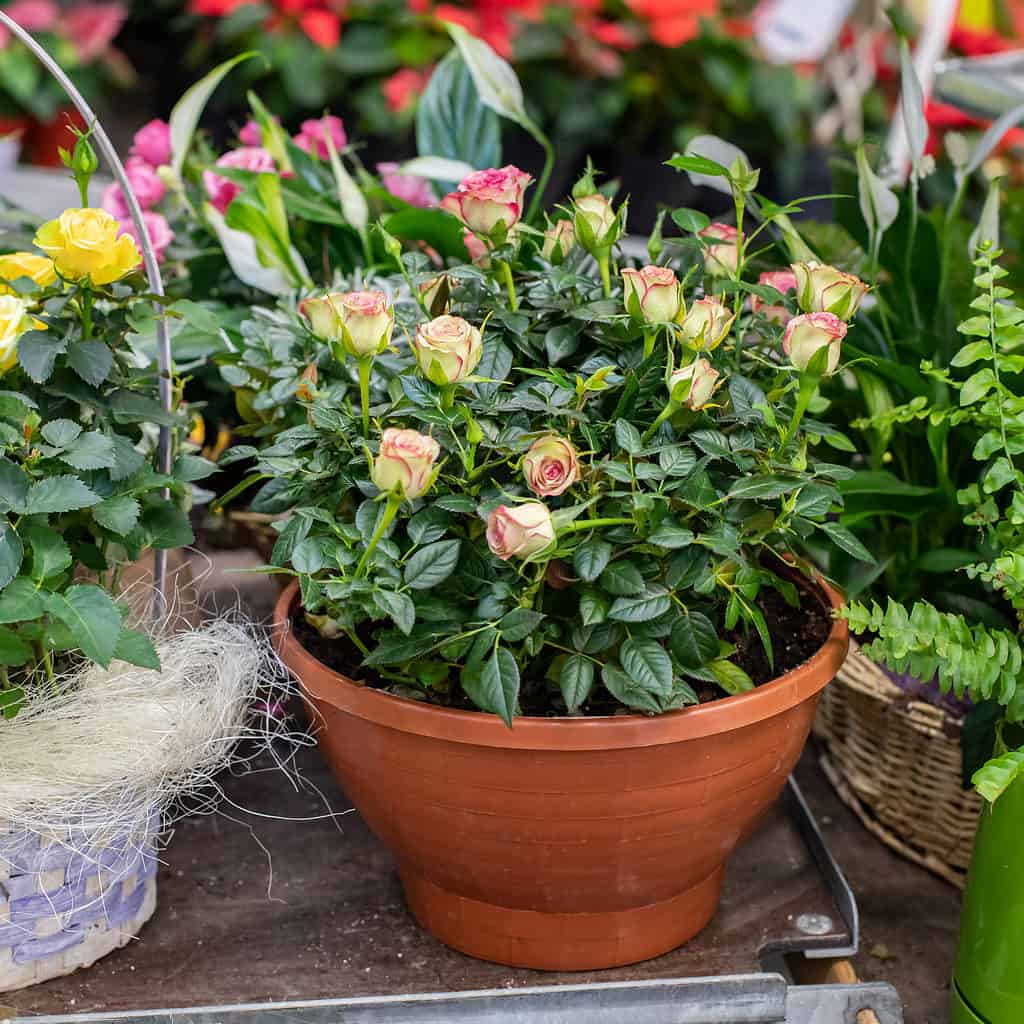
(215, 8)
(673, 22)
(611, 33)
(322, 27)
(977, 44)
(402, 89)
(942, 117)
(92, 28)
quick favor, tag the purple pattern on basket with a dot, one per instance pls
(40, 949)
(929, 692)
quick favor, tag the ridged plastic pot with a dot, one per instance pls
(988, 980)
(562, 843)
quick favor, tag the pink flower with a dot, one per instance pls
(113, 202)
(551, 466)
(656, 292)
(405, 463)
(477, 249)
(403, 88)
(152, 143)
(807, 334)
(145, 183)
(782, 281)
(522, 530)
(311, 135)
(721, 256)
(410, 187)
(245, 158)
(700, 379)
(34, 15)
(251, 134)
(92, 28)
(486, 198)
(160, 233)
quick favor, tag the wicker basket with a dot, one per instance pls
(62, 909)
(896, 762)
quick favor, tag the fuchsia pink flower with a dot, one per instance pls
(152, 143)
(246, 158)
(409, 187)
(403, 88)
(92, 28)
(160, 233)
(311, 136)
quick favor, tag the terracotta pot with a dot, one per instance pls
(562, 844)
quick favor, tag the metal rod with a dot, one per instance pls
(156, 284)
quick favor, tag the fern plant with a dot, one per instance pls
(972, 659)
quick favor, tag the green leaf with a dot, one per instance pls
(20, 601)
(844, 539)
(977, 386)
(519, 623)
(731, 678)
(13, 486)
(694, 640)
(119, 514)
(434, 227)
(14, 652)
(495, 80)
(137, 649)
(92, 360)
(38, 351)
(697, 165)
(50, 552)
(647, 663)
(593, 607)
(497, 689)
(576, 680)
(592, 557)
(187, 111)
(308, 557)
(628, 437)
(621, 686)
(971, 353)
(58, 494)
(60, 433)
(690, 220)
(11, 701)
(399, 607)
(994, 778)
(167, 527)
(91, 450)
(190, 468)
(622, 578)
(671, 536)
(432, 565)
(11, 553)
(92, 617)
(641, 607)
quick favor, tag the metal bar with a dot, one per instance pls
(736, 999)
(842, 1004)
(156, 285)
(830, 870)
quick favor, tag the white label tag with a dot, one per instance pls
(799, 31)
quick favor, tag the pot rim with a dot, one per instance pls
(599, 732)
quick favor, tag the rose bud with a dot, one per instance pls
(307, 383)
(558, 241)
(824, 289)
(436, 294)
(361, 321)
(522, 530)
(447, 349)
(479, 253)
(594, 222)
(551, 466)
(783, 281)
(722, 253)
(405, 464)
(809, 332)
(656, 291)
(558, 576)
(702, 379)
(488, 198)
(706, 324)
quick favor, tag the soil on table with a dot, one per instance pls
(796, 634)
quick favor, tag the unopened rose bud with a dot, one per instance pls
(485, 199)
(436, 294)
(405, 464)
(307, 384)
(447, 349)
(595, 222)
(783, 281)
(558, 241)
(706, 324)
(722, 252)
(519, 530)
(551, 466)
(824, 289)
(361, 321)
(654, 292)
(479, 253)
(694, 384)
(809, 333)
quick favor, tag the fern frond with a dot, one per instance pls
(977, 661)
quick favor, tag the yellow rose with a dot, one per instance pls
(85, 244)
(14, 322)
(25, 264)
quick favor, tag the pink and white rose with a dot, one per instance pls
(808, 333)
(824, 289)
(519, 530)
(558, 241)
(447, 349)
(411, 188)
(485, 199)
(783, 281)
(361, 322)
(700, 377)
(706, 324)
(245, 158)
(594, 221)
(551, 466)
(656, 291)
(721, 251)
(404, 466)
(312, 136)
(152, 143)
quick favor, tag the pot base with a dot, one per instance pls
(561, 942)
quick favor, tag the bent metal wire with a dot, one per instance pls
(156, 285)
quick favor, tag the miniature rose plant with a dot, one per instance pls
(563, 490)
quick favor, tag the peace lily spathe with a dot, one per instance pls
(654, 292)
(824, 289)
